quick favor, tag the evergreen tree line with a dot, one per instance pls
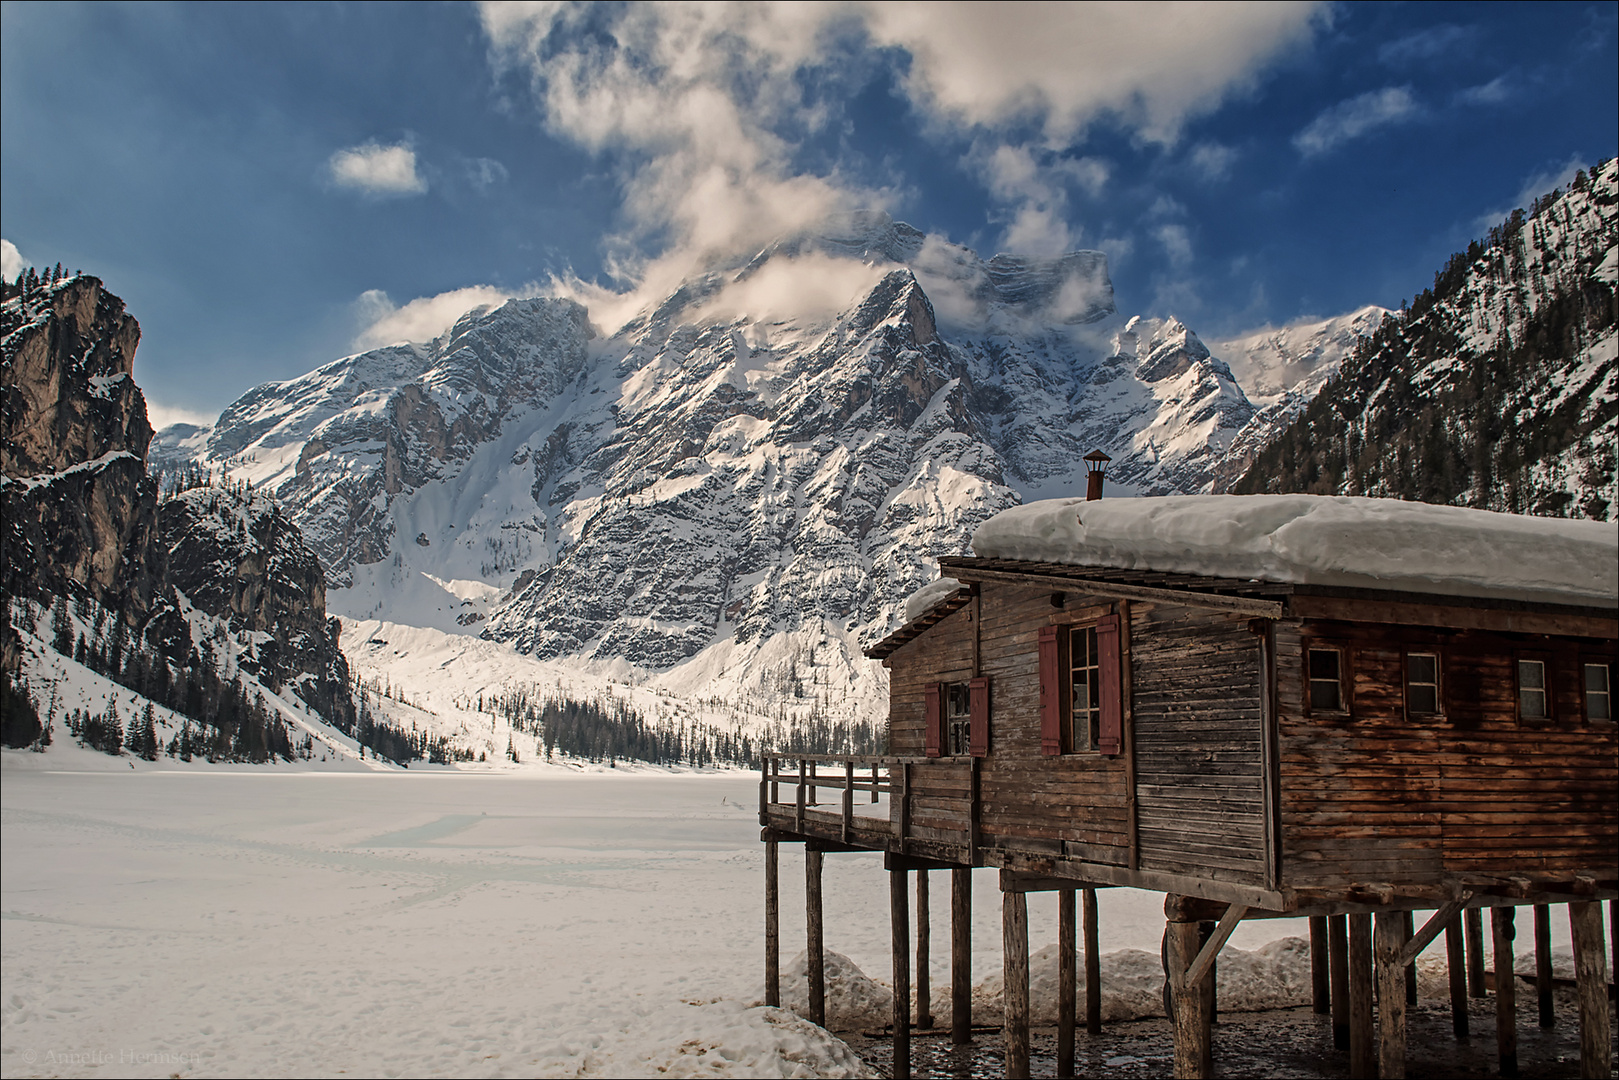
(30, 282)
(1396, 423)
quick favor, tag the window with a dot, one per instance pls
(1421, 683)
(1326, 680)
(1085, 684)
(1532, 703)
(1598, 692)
(958, 720)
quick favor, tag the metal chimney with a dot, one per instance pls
(1095, 474)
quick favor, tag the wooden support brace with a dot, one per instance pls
(1430, 929)
(1411, 965)
(1193, 975)
(1390, 947)
(813, 934)
(1596, 1034)
(772, 925)
(1474, 919)
(901, 931)
(924, 945)
(1320, 991)
(848, 799)
(1015, 982)
(961, 956)
(1093, 963)
(1362, 1056)
(1338, 940)
(1506, 1021)
(1456, 967)
(1067, 1005)
(1543, 965)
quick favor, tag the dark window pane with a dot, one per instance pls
(1596, 677)
(1531, 675)
(1323, 663)
(1422, 698)
(1424, 668)
(1325, 695)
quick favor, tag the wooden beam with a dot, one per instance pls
(1506, 1020)
(1596, 1048)
(961, 956)
(1362, 1055)
(1242, 605)
(1430, 930)
(1015, 982)
(813, 934)
(1211, 949)
(1338, 940)
(1456, 969)
(924, 995)
(1409, 919)
(1320, 990)
(1543, 965)
(1093, 963)
(1390, 949)
(848, 800)
(1474, 919)
(1457, 617)
(772, 925)
(901, 935)
(1191, 1030)
(1067, 1005)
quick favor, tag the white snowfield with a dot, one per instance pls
(1337, 540)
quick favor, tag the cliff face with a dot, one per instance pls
(78, 506)
(82, 518)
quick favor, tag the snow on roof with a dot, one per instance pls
(1335, 540)
(924, 599)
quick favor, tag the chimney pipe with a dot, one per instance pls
(1095, 474)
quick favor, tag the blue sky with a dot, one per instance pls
(270, 187)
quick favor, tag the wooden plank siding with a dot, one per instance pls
(1376, 795)
(1199, 734)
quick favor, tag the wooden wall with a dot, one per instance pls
(1380, 797)
(1199, 734)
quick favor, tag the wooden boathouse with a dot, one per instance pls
(1383, 716)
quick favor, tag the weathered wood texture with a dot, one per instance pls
(1362, 1052)
(1338, 938)
(1320, 991)
(1093, 963)
(924, 941)
(815, 940)
(1506, 990)
(1390, 939)
(1543, 965)
(1596, 1047)
(900, 932)
(961, 956)
(1456, 962)
(1015, 982)
(1067, 981)
(1192, 1035)
(1376, 795)
(772, 924)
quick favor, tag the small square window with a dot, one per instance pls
(1598, 692)
(1532, 690)
(1422, 683)
(1326, 680)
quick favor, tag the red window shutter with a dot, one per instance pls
(978, 699)
(933, 726)
(1050, 693)
(1112, 720)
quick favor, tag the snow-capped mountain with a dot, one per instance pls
(748, 475)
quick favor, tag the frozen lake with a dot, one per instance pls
(250, 922)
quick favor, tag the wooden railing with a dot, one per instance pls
(807, 775)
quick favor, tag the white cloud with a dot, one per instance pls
(1426, 44)
(422, 319)
(1176, 241)
(161, 416)
(1212, 160)
(1356, 117)
(484, 173)
(11, 261)
(378, 170)
(809, 287)
(1035, 184)
(1493, 92)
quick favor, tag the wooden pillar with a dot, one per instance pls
(1015, 982)
(1320, 990)
(1067, 957)
(814, 941)
(1338, 942)
(1391, 938)
(961, 956)
(1506, 995)
(1409, 918)
(772, 925)
(1543, 965)
(1456, 965)
(924, 946)
(1362, 1057)
(1093, 963)
(1211, 1001)
(901, 928)
(1191, 1027)
(1613, 940)
(1596, 1050)
(1474, 919)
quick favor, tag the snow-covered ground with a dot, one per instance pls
(241, 921)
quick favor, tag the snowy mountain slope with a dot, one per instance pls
(780, 447)
(1497, 388)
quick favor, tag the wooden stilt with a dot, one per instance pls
(1456, 963)
(1409, 919)
(1067, 957)
(961, 956)
(1211, 1000)
(1474, 919)
(1596, 1048)
(1362, 1056)
(1093, 962)
(1506, 996)
(1338, 950)
(1543, 965)
(1191, 1029)
(901, 930)
(1320, 990)
(1015, 982)
(1613, 941)
(772, 925)
(813, 934)
(924, 945)
(1391, 1001)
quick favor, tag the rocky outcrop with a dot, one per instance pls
(79, 510)
(83, 519)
